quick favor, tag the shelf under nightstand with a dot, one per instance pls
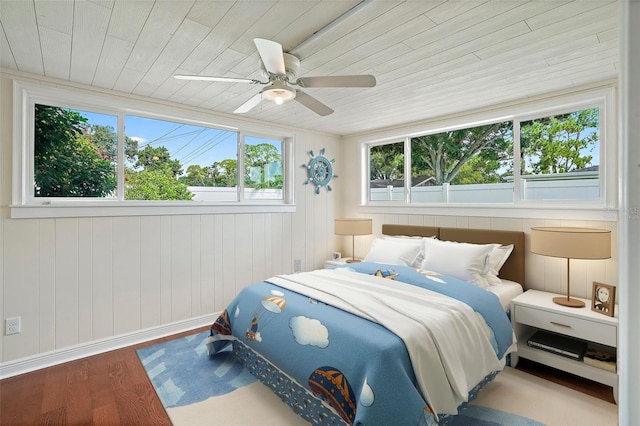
(534, 310)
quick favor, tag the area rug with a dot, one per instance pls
(198, 390)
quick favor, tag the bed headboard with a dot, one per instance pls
(513, 268)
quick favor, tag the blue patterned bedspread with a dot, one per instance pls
(358, 367)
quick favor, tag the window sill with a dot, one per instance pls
(141, 209)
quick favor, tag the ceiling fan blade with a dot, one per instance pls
(212, 78)
(338, 81)
(312, 103)
(248, 106)
(271, 55)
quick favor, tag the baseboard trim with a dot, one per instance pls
(48, 359)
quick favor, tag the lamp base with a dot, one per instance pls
(567, 301)
(353, 260)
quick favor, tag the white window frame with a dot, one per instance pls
(25, 205)
(603, 98)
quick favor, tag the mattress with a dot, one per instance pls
(506, 291)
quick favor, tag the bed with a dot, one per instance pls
(390, 340)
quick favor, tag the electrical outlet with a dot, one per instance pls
(12, 325)
(297, 265)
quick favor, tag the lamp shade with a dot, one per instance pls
(571, 243)
(357, 226)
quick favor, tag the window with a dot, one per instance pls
(77, 149)
(262, 168)
(73, 156)
(169, 160)
(560, 156)
(386, 172)
(463, 165)
(540, 157)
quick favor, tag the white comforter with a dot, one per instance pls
(446, 340)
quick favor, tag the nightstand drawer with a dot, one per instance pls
(564, 324)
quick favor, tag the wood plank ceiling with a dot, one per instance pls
(430, 57)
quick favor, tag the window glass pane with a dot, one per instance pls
(472, 165)
(386, 172)
(560, 157)
(263, 178)
(75, 153)
(167, 160)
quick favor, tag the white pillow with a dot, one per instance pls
(469, 262)
(393, 252)
(497, 258)
(416, 241)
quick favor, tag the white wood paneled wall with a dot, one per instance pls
(78, 280)
(74, 280)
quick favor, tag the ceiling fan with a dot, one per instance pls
(281, 70)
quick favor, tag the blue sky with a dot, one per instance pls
(187, 143)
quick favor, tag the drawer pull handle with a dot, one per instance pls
(560, 324)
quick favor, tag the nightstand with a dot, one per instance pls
(534, 310)
(336, 262)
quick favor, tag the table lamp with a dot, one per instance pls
(353, 227)
(571, 243)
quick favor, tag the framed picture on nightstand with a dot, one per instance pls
(336, 255)
(603, 298)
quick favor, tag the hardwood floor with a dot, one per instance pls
(106, 389)
(113, 389)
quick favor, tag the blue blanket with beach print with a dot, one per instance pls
(356, 366)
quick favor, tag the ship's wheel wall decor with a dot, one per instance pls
(320, 170)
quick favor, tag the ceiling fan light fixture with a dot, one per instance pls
(279, 95)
